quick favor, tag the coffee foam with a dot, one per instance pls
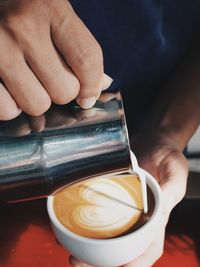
(100, 208)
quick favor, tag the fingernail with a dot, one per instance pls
(107, 80)
(86, 103)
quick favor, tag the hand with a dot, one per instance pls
(161, 157)
(47, 55)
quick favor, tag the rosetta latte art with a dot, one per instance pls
(100, 208)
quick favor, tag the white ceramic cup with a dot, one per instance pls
(110, 252)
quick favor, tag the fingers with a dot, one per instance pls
(148, 258)
(77, 263)
(25, 88)
(82, 53)
(8, 108)
(152, 254)
(27, 92)
(56, 77)
(173, 179)
(32, 70)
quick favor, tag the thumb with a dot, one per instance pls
(75, 262)
(173, 173)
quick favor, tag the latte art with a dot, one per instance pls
(100, 208)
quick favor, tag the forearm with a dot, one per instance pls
(177, 109)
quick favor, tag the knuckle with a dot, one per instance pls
(47, 3)
(63, 20)
(19, 28)
(9, 22)
(15, 23)
(89, 58)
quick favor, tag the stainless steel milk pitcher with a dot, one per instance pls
(75, 144)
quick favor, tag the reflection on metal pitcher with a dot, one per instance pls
(40, 155)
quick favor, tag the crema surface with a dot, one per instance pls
(100, 208)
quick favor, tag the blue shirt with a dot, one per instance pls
(142, 42)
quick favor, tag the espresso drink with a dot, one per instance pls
(101, 208)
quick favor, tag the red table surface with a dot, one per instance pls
(26, 240)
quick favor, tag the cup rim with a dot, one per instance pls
(157, 192)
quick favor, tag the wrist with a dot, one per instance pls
(179, 126)
(169, 136)
(176, 115)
